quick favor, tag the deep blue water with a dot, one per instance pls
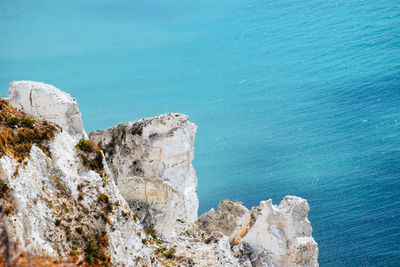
(291, 97)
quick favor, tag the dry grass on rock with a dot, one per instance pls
(91, 155)
(19, 131)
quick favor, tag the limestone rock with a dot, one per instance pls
(60, 206)
(158, 151)
(231, 218)
(157, 204)
(57, 205)
(48, 103)
(57, 202)
(214, 253)
(283, 232)
(268, 235)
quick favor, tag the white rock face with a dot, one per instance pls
(214, 251)
(283, 232)
(59, 190)
(268, 235)
(60, 204)
(158, 204)
(48, 103)
(151, 160)
(232, 219)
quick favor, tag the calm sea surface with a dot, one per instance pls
(291, 97)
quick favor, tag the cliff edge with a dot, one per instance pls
(124, 196)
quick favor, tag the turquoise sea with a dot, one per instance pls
(291, 97)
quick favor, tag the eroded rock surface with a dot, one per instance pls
(49, 103)
(268, 235)
(77, 202)
(151, 160)
(158, 204)
(231, 218)
(60, 206)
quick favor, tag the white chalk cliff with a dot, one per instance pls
(48, 103)
(127, 196)
(151, 162)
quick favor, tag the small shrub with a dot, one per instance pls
(160, 250)
(12, 121)
(57, 222)
(85, 145)
(95, 251)
(109, 207)
(170, 254)
(4, 189)
(74, 253)
(94, 246)
(80, 187)
(125, 214)
(89, 259)
(152, 233)
(27, 122)
(135, 217)
(8, 209)
(103, 198)
(87, 148)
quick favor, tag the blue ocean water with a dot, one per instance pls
(291, 97)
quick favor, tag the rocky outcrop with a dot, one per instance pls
(151, 161)
(127, 197)
(284, 232)
(48, 103)
(267, 235)
(232, 219)
(60, 207)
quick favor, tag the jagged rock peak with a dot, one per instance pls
(49, 103)
(268, 235)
